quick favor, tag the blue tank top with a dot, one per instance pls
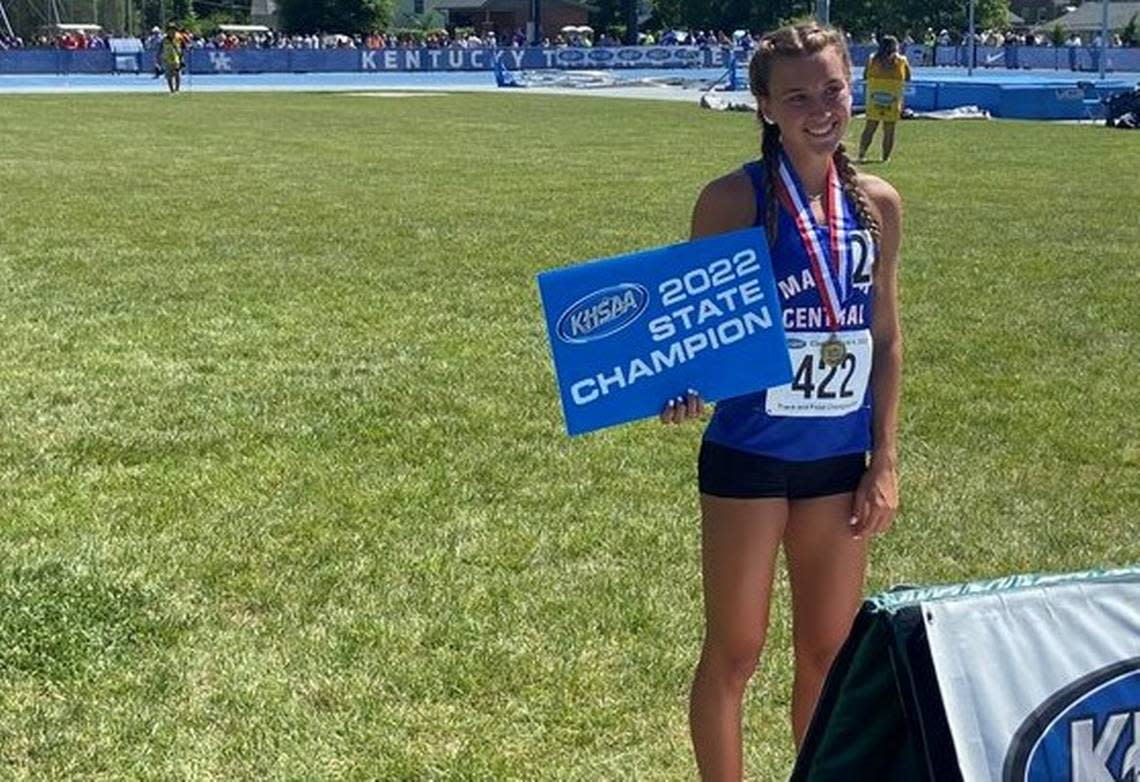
(826, 410)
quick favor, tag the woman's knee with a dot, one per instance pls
(815, 655)
(732, 662)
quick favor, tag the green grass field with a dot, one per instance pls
(285, 491)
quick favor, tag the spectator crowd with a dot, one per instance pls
(582, 37)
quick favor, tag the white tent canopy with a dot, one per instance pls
(243, 28)
(75, 27)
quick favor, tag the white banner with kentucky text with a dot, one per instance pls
(1041, 683)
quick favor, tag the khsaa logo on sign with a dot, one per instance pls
(602, 313)
(1087, 732)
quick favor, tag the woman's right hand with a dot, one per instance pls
(685, 407)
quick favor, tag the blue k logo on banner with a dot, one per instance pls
(630, 332)
(1087, 732)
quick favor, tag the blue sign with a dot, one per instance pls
(1088, 731)
(630, 332)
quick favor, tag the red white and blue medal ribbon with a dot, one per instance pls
(831, 261)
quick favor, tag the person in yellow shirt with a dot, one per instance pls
(171, 52)
(886, 73)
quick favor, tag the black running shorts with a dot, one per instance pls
(727, 472)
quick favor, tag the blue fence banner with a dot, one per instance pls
(476, 59)
(28, 61)
(1058, 58)
(630, 332)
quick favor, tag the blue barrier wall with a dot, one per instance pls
(1057, 100)
(50, 61)
(25, 61)
(920, 96)
(1061, 58)
(28, 61)
(293, 60)
(984, 96)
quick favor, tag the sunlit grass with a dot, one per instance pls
(285, 489)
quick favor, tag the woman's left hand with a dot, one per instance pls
(876, 499)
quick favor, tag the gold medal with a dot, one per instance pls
(833, 351)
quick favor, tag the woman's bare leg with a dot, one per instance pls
(888, 140)
(826, 567)
(739, 543)
(865, 139)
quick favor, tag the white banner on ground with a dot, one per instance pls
(1041, 683)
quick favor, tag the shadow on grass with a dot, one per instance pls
(57, 623)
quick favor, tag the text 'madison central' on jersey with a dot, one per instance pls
(826, 410)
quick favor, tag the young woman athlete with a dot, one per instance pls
(811, 465)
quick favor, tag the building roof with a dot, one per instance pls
(1039, 11)
(1086, 18)
(1022, 6)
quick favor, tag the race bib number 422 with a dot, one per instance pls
(822, 389)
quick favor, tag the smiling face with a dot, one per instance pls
(809, 97)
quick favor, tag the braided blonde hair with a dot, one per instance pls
(796, 41)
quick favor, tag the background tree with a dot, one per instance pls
(728, 15)
(1130, 36)
(897, 17)
(1058, 34)
(115, 16)
(859, 17)
(334, 16)
(216, 12)
(608, 15)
